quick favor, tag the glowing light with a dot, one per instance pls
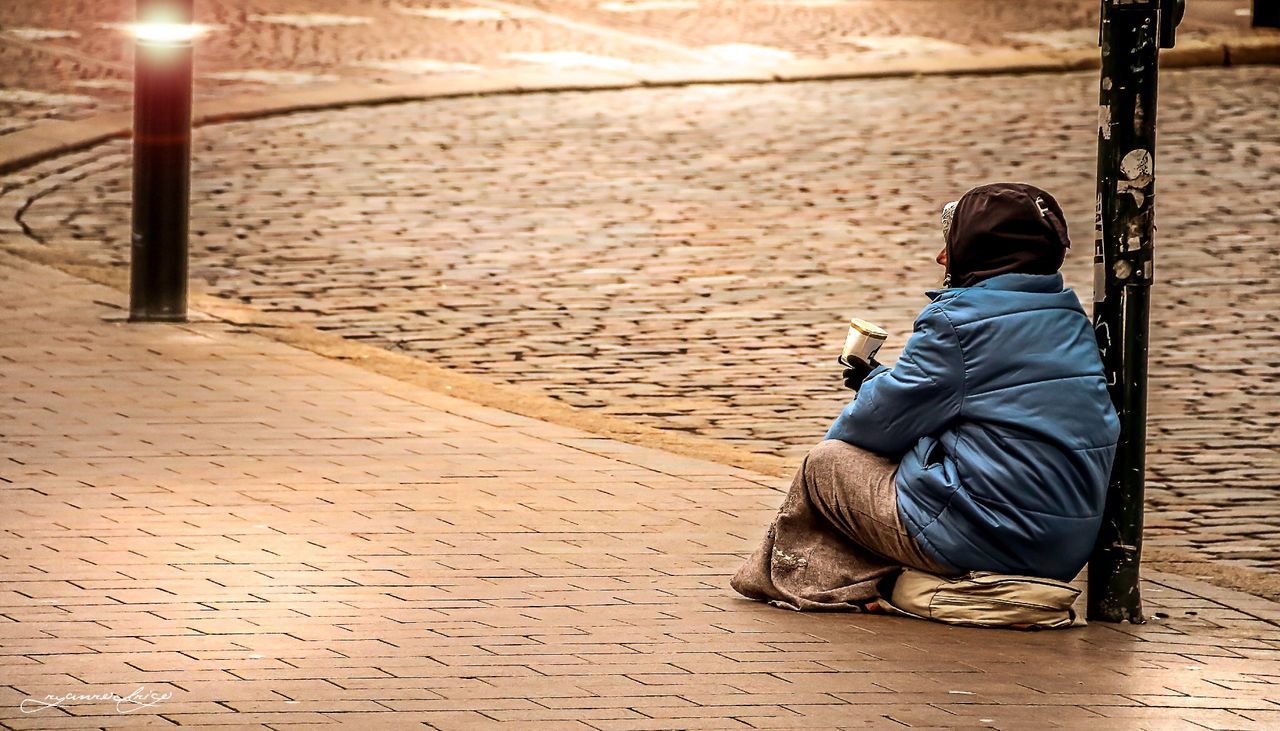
(169, 33)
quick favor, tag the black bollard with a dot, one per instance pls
(161, 160)
(1266, 13)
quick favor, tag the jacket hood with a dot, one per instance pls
(1003, 228)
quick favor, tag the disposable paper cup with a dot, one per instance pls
(862, 342)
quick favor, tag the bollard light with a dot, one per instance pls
(1266, 14)
(159, 34)
(163, 38)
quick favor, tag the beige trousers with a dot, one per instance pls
(836, 535)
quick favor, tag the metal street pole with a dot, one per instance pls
(161, 160)
(1133, 31)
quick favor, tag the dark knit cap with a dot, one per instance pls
(1002, 228)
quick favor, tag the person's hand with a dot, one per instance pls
(857, 372)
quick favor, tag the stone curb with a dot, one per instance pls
(520, 400)
(57, 137)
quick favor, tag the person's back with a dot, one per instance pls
(1031, 449)
(1000, 413)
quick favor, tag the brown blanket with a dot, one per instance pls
(836, 535)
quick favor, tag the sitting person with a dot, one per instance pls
(987, 447)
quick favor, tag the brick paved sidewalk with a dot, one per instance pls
(276, 538)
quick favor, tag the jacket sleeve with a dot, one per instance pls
(917, 397)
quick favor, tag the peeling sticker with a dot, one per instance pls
(1123, 269)
(1104, 121)
(1136, 164)
(1133, 235)
(1137, 168)
(1097, 225)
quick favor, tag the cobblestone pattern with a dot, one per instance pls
(92, 71)
(835, 29)
(248, 535)
(687, 257)
(60, 49)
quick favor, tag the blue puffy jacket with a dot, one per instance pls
(999, 411)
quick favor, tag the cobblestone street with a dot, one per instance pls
(70, 58)
(687, 257)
